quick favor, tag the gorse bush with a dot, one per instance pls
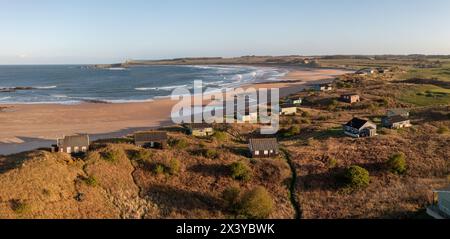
(171, 167)
(256, 204)
(111, 156)
(231, 196)
(220, 136)
(357, 177)
(178, 143)
(20, 207)
(90, 181)
(397, 163)
(240, 171)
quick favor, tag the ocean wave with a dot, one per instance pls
(5, 98)
(46, 87)
(160, 88)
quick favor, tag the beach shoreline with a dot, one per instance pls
(25, 127)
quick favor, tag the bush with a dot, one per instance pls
(142, 156)
(240, 171)
(174, 166)
(111, 156)
(178, 143)
(397, 163)
(332, 163)
(211, 154)
(159, 169)
(305, 114)
(256, 204)
(443, 130)
(220, 136)
(231, 197)
(357, 177)
(20, 207)
(292, 131)
(90, 181)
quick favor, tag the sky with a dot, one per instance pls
(109, 31)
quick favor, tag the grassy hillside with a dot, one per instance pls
(122, 181)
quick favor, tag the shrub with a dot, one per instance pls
(357, 177)
(211, 154)
(20, 207)
(332, 163)
(90, 181)
(174, 167)
(443, 130)
(256, 204)
(178, 143)
(292, 131)
(231, 197)
(159, 169)
(142, 156)
(397, 163)
(305, 114)
(111, 156)
(240, 171)
(220, 136)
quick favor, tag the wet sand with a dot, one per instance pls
(26, 127)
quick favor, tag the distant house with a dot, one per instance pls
(441, 209)
(366, 71)
(382, 70)
(155, 139)
(398, 112)
(360, 128)
(350, 98)
(72, 144)
(396, 122)
(288, 109)
(263, 147)
(295, 101)
(323, 87)
(201, 130)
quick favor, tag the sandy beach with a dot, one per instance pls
(25, 127)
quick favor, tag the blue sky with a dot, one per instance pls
(100, 31)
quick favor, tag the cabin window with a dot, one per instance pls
(84, 149)
(256, 152)
(69, 150)
(76, 149)
(266, 152)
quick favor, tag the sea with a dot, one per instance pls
(75, 84)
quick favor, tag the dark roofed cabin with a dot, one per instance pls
(72, 144)
(396, 122)
(264, 147)
(360, 128)
(201, 130)
(154, 139)
(350, 98)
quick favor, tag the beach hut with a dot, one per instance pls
(72, 144)
(155, 139)
(263, 147)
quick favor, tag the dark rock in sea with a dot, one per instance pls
(14, 89)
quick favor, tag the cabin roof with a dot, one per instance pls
(357, 123)
(353, 94)
(264, 144)
(396, 119)
(150, 136)
(399, 111)
(200, 126)
(74, 140)
(285, 106)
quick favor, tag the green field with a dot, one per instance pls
(442, 73)
(426, 95)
